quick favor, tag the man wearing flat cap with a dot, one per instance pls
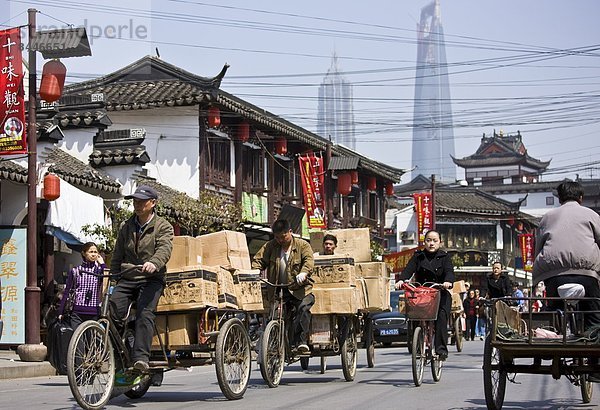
(145, 240)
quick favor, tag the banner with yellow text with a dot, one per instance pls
(13, 272)
(424, 213)
(526, 243)
(312, 174)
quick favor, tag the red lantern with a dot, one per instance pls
(354, 175)
(389, 189)
(372, 184)
(53, 80)
(214, 117)
(51, 187)
(344, 184)
(281, 146)
(244, 131)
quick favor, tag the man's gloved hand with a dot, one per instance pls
(301, 278)
(149, 267)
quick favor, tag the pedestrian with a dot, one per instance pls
(144, 240)
(470, 308)
(290, 260)
(83, 289)
(498, 284)
(433, 264)
(481, 316)
(517, 293)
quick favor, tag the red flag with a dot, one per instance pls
(312, 174)
(12, 101)
(526, 244)
(424, 212)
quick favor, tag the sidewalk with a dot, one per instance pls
(11, 367)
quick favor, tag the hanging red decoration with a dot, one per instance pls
(214, 117)
(389, 189)
(51, 187)
(354, 175)
(344, 184)
(53, 80)
(281, 146)
(372, 184)
(244, 131)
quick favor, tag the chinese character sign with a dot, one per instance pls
(13, 258)
(12, 107)
(397, 261)
(424, 213)
(312, 174)
(526, 244)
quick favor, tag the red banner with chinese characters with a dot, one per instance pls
(526, 243)
(312, 174)
(424, 212)
(12, 107)
(397, 261)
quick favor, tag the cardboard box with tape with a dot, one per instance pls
(187, 251)
(373, 283)
(248, 289)
(189, 288)
(354, 242)
(333, 298)
(227, 249)
(333, 269)
(226, 287)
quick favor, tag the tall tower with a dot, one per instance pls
(433, 135)
(335, 118)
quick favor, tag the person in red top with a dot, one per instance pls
(470, 305)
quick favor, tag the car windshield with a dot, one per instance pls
(394, 298)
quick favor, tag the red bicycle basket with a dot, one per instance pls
(422, 303)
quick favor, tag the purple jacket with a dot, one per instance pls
(88, 288)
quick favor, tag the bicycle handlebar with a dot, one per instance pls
(119, 274)
(284, 285)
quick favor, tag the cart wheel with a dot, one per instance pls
(349, 354)
(436, 368)
(323, 367)
(91, 366)
(418, 355)
(232, 359)
(409, 336)
(370, 343)
(494, 376)
(304, 363)
(272, 354)
(458, 334)
(138, 391)
(587, 388)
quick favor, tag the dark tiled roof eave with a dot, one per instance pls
(469, 162)
(460, 200)
(12, 171)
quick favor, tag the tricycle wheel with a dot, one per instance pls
(494, 376)
(349, 354)
(304, 363)
(91, 366)
(370, 343)
(587, 388)
(458, 334)
(418, 355)
(232, 359)
(323, 365)
(272, 354)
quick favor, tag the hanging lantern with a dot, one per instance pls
(281, 146)
(389, 189)
(354, 177)
(53, 80)
(244, 131)
(51, 187)
(372, 184)
(344, 184)
(214, 117)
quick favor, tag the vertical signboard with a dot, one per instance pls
(12, 102)
(424, 212)
(526, 243)
(13, 262)
(312, 174)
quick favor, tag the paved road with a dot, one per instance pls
(387, 386)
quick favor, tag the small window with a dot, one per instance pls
(549, 200)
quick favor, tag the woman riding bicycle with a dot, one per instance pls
(433, 265)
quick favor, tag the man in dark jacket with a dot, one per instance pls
(290, 260)
(433, 265)
(145, 240)
(498, 285)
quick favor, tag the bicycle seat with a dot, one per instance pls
(571, 290)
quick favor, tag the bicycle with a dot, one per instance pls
(422, 304)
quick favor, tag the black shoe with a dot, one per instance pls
(442, 356)
(141, 366)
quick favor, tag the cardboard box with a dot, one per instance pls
(320, 329)
(459, 286)
(375, 293)
(248, 289)
(457, 302)
(226, 289)
(343, 300)
(187, 251)
(354, 242)
(189, 288)
(372, 270)
(182, 329)
(329, 269)
(160, 322)
(227, 249)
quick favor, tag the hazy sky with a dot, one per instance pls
(532, 66)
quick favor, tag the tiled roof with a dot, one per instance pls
(472, 201)
(343, 163)
(76, 172)
(12, 172)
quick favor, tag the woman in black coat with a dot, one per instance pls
(433, 265)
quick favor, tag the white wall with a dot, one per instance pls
(13, 200)
(536, 202)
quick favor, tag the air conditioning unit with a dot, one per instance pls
(408, 236)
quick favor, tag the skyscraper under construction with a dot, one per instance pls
(433, 135)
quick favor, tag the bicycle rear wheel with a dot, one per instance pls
(458, 334)
(494, 376)
(418, 355)
(91, 366)
(272, 354)
(436, 368)
(349, 354)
